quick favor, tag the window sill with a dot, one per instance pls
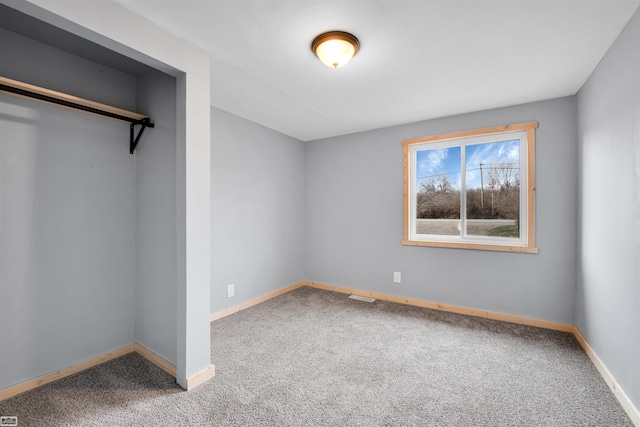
(476, 246)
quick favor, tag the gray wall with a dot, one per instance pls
(608, 290)
(67, 215)
(155, 325)
(354, 211)
(257, 205)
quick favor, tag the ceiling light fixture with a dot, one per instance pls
(335, 48)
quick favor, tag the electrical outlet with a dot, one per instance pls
(397, 277)
(231, 291)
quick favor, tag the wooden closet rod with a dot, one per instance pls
(21, 89)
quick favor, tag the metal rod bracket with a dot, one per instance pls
(133, 142)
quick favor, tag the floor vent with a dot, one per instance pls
(359, 298)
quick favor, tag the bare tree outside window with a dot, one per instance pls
(493, 189)
(438, 198)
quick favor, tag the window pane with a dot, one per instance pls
(493, 189)
(438, 191)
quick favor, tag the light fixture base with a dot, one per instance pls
(335, 48)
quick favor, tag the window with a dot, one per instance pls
(472, 189)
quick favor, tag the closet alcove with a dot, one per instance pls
(88, 231)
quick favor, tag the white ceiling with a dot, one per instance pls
(418, 59)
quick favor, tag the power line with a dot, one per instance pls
(500, 167)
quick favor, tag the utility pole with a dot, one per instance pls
(493, 213)
(481, 188)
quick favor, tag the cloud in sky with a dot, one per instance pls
(434, 162)
(493, 152)
(431, 161)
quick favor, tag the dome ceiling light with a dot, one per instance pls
(335, 48)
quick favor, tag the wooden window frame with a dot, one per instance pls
(529, 245)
